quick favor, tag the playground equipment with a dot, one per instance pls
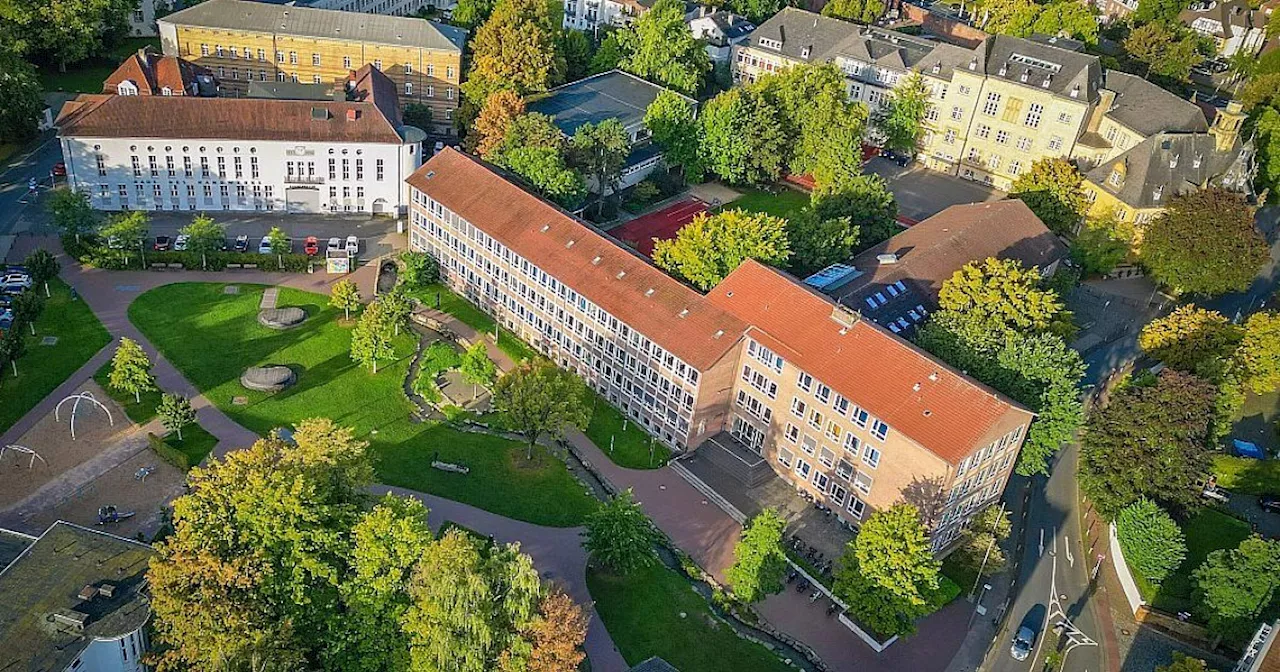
(108, 515)
(75, 407)
(25, 451)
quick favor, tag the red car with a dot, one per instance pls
(311, 246)
(59, 169)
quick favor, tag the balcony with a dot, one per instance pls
(303, 179)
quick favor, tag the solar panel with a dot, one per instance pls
(870, 302)
(901, 287)
(915, 317)
(893, 291)
(921, 310)
(880, 298)
(903, 323)
(894, 327)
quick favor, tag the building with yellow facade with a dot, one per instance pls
(244, 41)
(1130, 109)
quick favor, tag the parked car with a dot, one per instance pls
(335, 244)
(242, 243)
(311, 246)
(19, 280)
(59, 169)
(264, 247)
(162, 243)
(353, 245)
(1024, 639)
(1269, 503)
(180, 243)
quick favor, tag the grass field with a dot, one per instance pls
(1206, 532)
(783, 204)
(1244, 476)
(625, 443)
(196, 443)
(140, 412)
(212, 337)
(43, 367)
(88, 75)
(642, 612)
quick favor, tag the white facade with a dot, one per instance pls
(123, 654)
(592, 15)
(242, 175)
(142, 20)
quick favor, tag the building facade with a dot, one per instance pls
(183, 153)
(241, 41)
(1129, 110)
(593, 15)
(720, 29)
(838, 406)
(1233, 25)
(146, 73)
(142, 20)
(385, 7)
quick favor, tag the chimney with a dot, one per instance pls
(353, 115)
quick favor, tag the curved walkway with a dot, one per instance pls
(557, 552)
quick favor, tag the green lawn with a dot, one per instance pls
(88, 75)
(212, 337)
(1207, 531)
(623, 441)
(139, 412)
(196, 443)
(43, 367)
(468, 314)
(781, 205)
(642, 612)
(1245, 476)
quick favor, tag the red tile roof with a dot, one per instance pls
(669, 313)
(936, 406)
(151, 73)
(104, 116)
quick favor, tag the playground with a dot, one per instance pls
(50, 476)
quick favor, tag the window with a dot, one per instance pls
(765, 356)
(841, 405)
(315, 79)
(346, 62)
(785, 457)
(815, 419)
(448, 72)
(1002, 137)
(220, 51)
(448, 93)
(1055, 143)
(792, 433)
(1024, 143)
(993, 161)
(408, 88)
(871, 456)
(984, 131)
(377, 63)
(1116, 178)
(931, 114)
(803, 468)
(1033, 115)
(824, 393)
(844, 469)
(279, 56)
(851, 443)
(1064, 118)
(262, 54)
(949, 137)
(204, 50)
(879, 429)
(855, 507)
(1015, 167)
(862, 482)
(804, 381)
(293, 58)
(859, 416)
(992, 105)
(431, 70)
(826, 457)
(808, 445)
(834, 430)
(821, 480)
(957, 112)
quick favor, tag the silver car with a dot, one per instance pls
(1022, 643)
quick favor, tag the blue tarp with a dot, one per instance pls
(1247, 449)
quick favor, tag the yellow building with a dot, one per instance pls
(244, 41)
(1129, 110)
(1136, 185)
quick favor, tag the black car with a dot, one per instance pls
(1269, 503)
(242, 243)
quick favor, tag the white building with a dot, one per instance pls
(142, 20)
(1233, 25)
(73, 599)
(720, 29)
(186, 153)
(592, 15)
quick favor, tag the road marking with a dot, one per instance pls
(1042, 541)
(1066, 543)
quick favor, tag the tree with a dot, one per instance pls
(1066, 18)
(576, 47)
(371, 339)
(658, 46)
(822, 129)
(759, 561)
(1153, 544)
(1205, 242)
(131, 370)
(71, 212)
(538, 399)
(66, 31)
(901, 121)
(708, 248)
(860, 11)
(1233, 586)
(23, 97)
(600, 150)
(534, 148)
(1149, 441)
(608, 55)
(1193, 340)
(470, 13)
(128, 229)
(417, 115)
(1053, 189)
(1184, 663)
(470, 605)
(500, 109)
(12, 345)
(515, 48)
(619, 537)
(866, 201)
(888, 571)
(1267, 139)
(1166, 48)
(817, 243)
(175, 412)
(979, 549)
(743, 140)
(279, 242)
(1257, 360)
(1158, 10)
(251, 572)
(670, 119)
(1103, 242)
(27, 307)
(557, 635)
(420, 269)
(345, 296)
(983, 300)
(396, 307)
(206, 236)
(43, 267)
(756, 11)
(477, 368)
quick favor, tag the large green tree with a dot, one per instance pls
(708, 248)
(619, 537)
(22, 95)
(1205, 242)
(1153, 544)
(499, 112)
(71, 212)
(658, 46)
(470, 13)
(371, 340)
(861, 11)
(983, 300)
(756, 11)
(205, 237)
(517, 47)
(888, 571)
(1233, 586)
(759, 561)
(175, 412)
(1159, 10)
(1148, 441)
(1192, 339)
(901, 120)
(64, 31)
(535, 149)
(600, 150)
(671, 121)
(131, 370)
(866, 201)
(1167, 49)
(1054, 190)
(1257, 360)
(817, 243)
(538, 399)
(743, 141)
(577, 49)
(979, 549)
(1184, 663)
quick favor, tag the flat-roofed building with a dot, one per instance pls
(838, 406)
(241, 41)
(189, 153)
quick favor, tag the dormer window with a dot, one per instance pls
(1025, 75)
(1195, 162)
(127, 88)
(166, 91)
(973, 64)
(1004, 69)
(1157, 193)
(804, 53)
(1116, 178)
(770, 44)
(937, 67)
(1048, 79)
(1173, 161)
(1075, 91)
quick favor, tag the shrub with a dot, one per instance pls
(1153, 544)
(168, 453)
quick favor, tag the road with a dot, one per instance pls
(15, 203)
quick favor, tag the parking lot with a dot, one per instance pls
(922, 193)
(377, 235)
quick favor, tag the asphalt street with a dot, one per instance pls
(16, 203)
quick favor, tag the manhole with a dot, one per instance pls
(49, 340)
(231, 289)
(240, 401)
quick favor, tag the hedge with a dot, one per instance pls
(91, 253)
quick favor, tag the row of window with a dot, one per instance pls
(824, 483)
(292, 59)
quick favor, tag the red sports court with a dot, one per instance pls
(662, 225)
